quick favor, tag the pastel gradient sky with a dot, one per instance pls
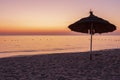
(53, 16)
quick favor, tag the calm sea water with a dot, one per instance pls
(30, 45)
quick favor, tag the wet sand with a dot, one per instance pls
(105, 65)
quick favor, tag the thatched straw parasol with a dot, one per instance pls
(92, 24)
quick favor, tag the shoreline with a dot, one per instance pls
(13, 54)
(64, 66)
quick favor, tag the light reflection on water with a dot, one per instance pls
(26, 45)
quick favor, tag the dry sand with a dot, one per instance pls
(66, 66)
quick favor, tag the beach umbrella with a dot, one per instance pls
(91, 25)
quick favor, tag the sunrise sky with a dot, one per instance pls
(53, 16)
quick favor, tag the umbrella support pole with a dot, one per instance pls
(91, 30)
(91, 48)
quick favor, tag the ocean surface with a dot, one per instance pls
(32, 45)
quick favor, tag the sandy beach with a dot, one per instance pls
(66, 66)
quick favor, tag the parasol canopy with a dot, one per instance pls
(99, 25)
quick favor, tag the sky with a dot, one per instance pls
(53, 16)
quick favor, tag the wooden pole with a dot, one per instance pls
(91, 30)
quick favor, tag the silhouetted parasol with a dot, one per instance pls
(92, 24)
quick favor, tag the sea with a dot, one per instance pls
(37, 44)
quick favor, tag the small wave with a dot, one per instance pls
(20, 51)
(42, 50)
